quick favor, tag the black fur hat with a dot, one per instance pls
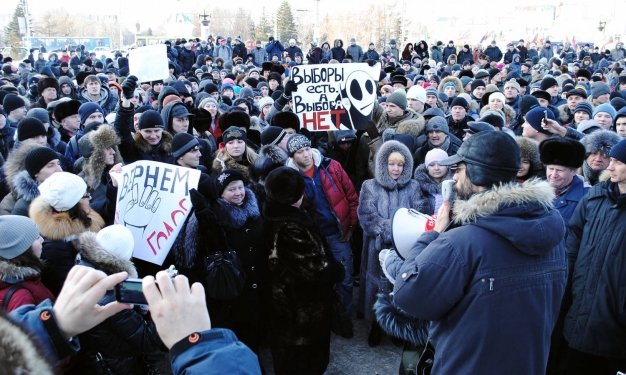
(562, 151)
(66, 109)
(234, 118)
(286, 120)
(284, 185)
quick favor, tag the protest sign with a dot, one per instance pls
(153, 202)
(149, 63)
(335, 96)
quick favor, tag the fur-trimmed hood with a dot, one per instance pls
(90, 251)
(509, 112)
(412, 123)
(457, 82)
(100, 140)
(381, 172)
(19, 353)
(165, 145)
(397, 323)
(276, 154)
(506, 208)
(25, 187)
(427, 184)
(60, 226)
(13, 271)
(15, 161)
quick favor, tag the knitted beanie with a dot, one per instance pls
(535, 117)
(30, 127)
(150, 119)
(38, 158)
(40, 114)
(272, 135)
(62, 190)
(585, 107)
(11, 102)
(398, 98)
(599, 89)
(117, 240)
(438, 124)
(606, 108)
(297, 142)
(17, 234)
(86, 110)
(232, 133)
(619, 151)
(477, 83)
(182, 143)
(435, 155)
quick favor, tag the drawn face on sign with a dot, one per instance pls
(361, 92)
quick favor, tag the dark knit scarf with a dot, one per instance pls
(444, 146)
(591, 176)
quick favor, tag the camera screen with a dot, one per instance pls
(130, 292)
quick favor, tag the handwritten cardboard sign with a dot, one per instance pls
(149, 63)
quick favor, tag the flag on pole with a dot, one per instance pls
(574, 43)
(534, 40)
(484, 37)
(567, 39)
(607, 42)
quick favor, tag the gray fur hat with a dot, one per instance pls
(530, 152)
(600, 141)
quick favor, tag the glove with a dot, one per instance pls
(290, 87)
(128, 87)
(371, 62)
(197, 200)
(372, 130)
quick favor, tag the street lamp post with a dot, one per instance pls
(205, 21)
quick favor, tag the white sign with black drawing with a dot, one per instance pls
(335, 96)
(153, 202)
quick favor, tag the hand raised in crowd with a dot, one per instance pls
(554, 127)
(290, 87)
(443, 217)
(177, 310)
(129, 86)
(372, 130)
(114, 173)
(77, 310)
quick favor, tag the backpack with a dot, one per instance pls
(7, 297)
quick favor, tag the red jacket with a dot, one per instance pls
(35, 293)
(338, 188)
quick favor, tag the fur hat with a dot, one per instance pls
(62, 190)
(66, 109)
(117, 240)
(100, 139)
(562, 151)
(284, 185)
(47, 82)
(239, 119)
(286, 120)
(600, 141)
(530, 152)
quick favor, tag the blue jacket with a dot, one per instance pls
(596, 322)
(492, 287)
(567, 203)
(494, 53)
(274, 47)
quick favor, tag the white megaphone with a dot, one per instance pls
(407, 225)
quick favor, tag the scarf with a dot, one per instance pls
(444, 146)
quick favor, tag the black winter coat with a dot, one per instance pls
(596, 321)
(137, 148)
(302, 273)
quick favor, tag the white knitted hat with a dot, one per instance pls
(117, 240)
(63, 190)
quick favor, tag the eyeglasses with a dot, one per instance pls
(456, 169)
(86, 196)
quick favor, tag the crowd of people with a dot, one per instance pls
(521, 273)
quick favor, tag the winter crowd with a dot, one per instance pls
(522, 273)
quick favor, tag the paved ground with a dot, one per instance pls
(348, 356)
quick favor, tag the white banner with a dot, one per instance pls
(335, 96)
(153, 202)
(149, 63)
